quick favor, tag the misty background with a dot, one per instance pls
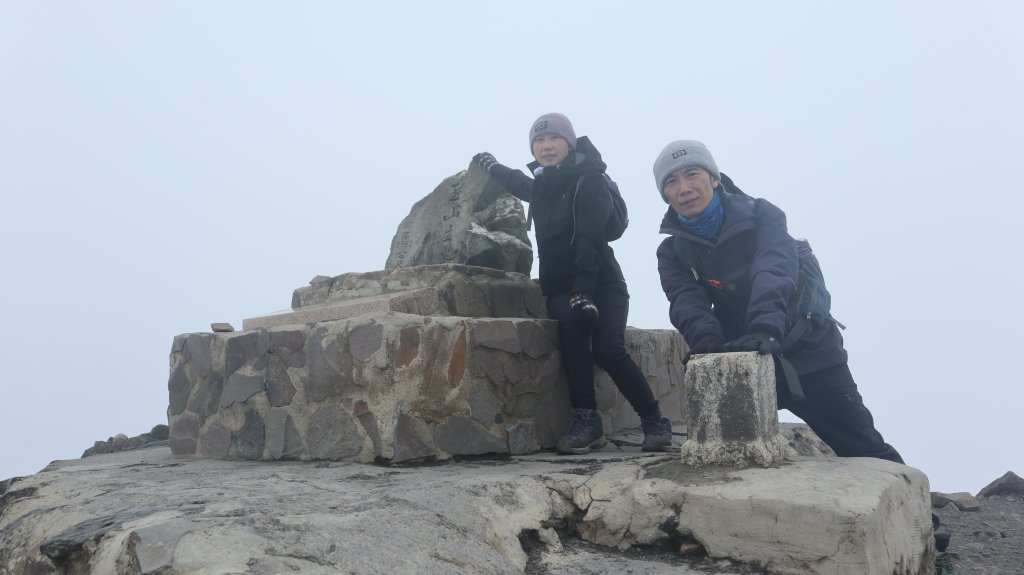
(168, 165)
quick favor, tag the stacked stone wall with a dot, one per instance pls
(392, 386)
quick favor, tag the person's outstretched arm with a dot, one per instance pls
(689, 307)
(773, 273)
(516, 182)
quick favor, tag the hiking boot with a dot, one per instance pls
(657, 433)
(585, 433)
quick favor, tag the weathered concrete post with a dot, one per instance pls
(732, 412)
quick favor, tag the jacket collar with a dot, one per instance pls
(739, 217)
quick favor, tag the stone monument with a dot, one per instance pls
(468, 219)
(732, 411)
(429, 362)
(447, 352)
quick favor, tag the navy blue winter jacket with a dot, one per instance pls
(755, 249)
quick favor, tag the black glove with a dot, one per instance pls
(706, 344)
(583, 308)
(485, 160)
(763, 344)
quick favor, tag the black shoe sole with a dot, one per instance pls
(596, 444)
(658, 447)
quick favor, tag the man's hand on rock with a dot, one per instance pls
(706, 344)
(762, 343)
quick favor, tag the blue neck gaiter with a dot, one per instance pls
(709, 222)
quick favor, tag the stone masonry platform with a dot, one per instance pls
(443, 289)
(394, 386)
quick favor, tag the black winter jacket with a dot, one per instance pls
(574, 255)
(753, 237)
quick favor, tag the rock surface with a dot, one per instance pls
(144, 511)
(467, 219)
(121, 442)
(1009, 484)
(964, 501)
(988, 540)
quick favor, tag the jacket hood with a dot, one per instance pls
(585, 158)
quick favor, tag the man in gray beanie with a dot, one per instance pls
(683, 154)
(737, 281)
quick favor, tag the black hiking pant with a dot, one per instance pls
(605, 345)
(834, 409)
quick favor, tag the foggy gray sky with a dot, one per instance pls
(168, 165)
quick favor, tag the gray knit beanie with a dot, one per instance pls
(556, 124)
(682, 154)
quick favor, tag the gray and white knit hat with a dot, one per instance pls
(682, 154)
(553, 123)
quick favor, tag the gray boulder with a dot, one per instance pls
(1009, 484)
(467, 219)
(803, 441)
(962, 500)
(121, 442)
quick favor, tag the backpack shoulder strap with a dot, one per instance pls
(684, 251)
(686, 255)
(575, 195)
(796, 391)
(803, 323)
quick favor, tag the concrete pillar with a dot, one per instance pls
(732, 412)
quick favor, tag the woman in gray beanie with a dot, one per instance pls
(571, 202)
